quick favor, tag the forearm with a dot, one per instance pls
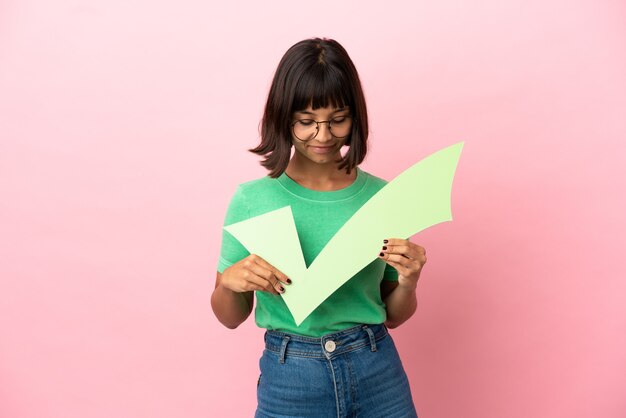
(401, 305)
(230, 308)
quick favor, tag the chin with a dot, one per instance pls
(326, 159)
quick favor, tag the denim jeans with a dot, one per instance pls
(352, 373)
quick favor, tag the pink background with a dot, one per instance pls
(124, 127)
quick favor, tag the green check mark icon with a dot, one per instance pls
(416, 199)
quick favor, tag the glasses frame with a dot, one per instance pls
(317, 127)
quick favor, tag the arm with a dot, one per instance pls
(401, 303)
(230, 308)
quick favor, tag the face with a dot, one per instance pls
(324, 147)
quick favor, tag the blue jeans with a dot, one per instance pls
(352, 373)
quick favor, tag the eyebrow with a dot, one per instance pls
(306, 112)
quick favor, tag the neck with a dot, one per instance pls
(316, 176)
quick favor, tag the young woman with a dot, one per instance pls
(341, 361)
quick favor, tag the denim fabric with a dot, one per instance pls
(352, 373)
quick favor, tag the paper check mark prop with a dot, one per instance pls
(415, 200)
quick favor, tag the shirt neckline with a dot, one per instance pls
(331, 195)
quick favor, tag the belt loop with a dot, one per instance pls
(371, 334)
(283, 348)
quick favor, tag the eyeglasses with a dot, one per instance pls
(307, 129)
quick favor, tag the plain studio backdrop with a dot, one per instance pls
(123, 134)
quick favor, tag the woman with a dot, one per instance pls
(340, 361)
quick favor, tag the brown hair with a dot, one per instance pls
(316, 72)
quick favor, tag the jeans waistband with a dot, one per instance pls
(327, 346)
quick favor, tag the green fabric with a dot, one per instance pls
(318, 216)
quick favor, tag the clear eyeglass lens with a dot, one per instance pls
(306, 129)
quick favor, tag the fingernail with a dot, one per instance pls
(282, 289)
(384, 247)
(381, 254)
(289, 281)
(385, 241)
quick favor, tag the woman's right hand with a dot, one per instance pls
(254, 273)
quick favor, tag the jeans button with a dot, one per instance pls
(330, 346)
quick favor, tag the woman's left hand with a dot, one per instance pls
(406, 257)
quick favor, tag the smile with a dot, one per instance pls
(321, 150)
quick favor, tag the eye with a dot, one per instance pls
(340, 120)
(306, 122)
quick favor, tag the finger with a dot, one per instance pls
(255, 287)
(266, 275)
(396, 241)
(253, 272)
(401, 263)
(406, 247)
(277, 273)
(400, 241)
(402, 270)
(259, 282)
(403, 250)
(396, 258)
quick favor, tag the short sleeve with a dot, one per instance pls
(232, 250)
(390, 274)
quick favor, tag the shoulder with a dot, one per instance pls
(251, 192)
(254, 188)
(243, 200)
(374, 181)
(247, 188)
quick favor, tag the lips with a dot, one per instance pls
(321, 150)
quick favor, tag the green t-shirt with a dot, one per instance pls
(318, 215)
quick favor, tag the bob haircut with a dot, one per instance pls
(316, 72)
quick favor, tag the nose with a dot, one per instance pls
(323, 133)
